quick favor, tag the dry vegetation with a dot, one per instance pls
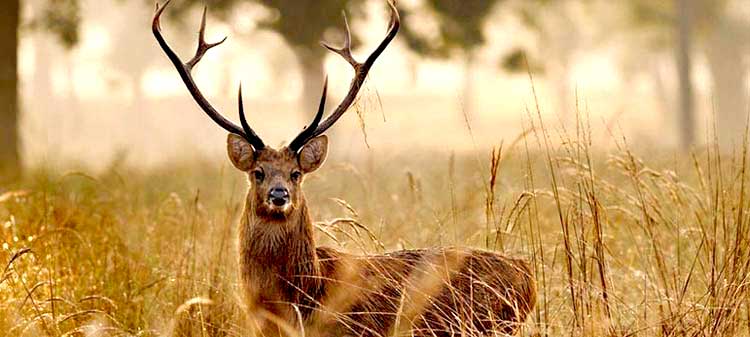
(621, 245)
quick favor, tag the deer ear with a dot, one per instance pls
(240, 152)
(313, 154)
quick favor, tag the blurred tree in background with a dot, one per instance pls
(9, 152)
(558, 34)
(683, 29)
(713, 27)
(60, 18)
(461, 26)
(679, 32)
(684, 22)
(461, 29)
(302, 24)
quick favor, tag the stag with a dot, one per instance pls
(291, 286)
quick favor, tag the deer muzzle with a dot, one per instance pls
(278, 196)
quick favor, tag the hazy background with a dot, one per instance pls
(128, 207)
(95, 87)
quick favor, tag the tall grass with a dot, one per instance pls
(621, 245)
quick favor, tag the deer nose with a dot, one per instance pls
(278, 196)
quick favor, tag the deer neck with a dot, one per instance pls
(273, 248)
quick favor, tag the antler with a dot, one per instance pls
(308, 132)
(360, 74)
(185, 71)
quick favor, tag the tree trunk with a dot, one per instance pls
(684, 70)
(725, 61)
(313, 75)
(10, 163)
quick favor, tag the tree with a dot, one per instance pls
(725, 47)
(302, 24)
(461, 30)
(555, 27)
(10, 162)
(684, 27)
(679, 28)
(709, 25)
(59, 17)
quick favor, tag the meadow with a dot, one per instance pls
(623, 242)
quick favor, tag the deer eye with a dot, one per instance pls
(296, 175)
(258, 174)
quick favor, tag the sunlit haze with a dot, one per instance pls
(99, 107)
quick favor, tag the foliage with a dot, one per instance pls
(657, 18)
(59, 17)
(302, 23)
(461, 26)
(518, 60)
(661, 14)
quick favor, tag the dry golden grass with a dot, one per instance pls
(620, 245)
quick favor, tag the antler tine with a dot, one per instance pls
(203, 47)
(360, 69)
(393, 27)
(249, 133)
(185, 69)
(308, 131)
(346, 50)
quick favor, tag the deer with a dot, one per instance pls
(291, 286)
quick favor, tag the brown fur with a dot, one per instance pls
(424, 292)
(288, 282)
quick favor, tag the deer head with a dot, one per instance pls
(276, 174)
